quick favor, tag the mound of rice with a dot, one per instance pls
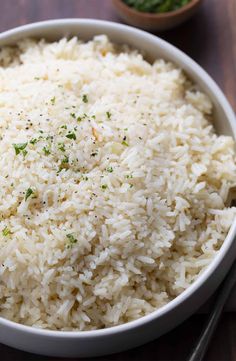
(113, 184)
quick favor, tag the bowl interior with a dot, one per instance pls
(152, 48)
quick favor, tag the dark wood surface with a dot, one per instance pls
(210, 39)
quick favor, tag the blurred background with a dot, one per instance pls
(209, 37)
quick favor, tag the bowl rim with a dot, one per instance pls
(177, 55)
(168, 14)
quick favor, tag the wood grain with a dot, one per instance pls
(210, 39)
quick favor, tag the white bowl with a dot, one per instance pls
(147, 328)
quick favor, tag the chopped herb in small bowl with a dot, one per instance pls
(156, 6)
(156, 15)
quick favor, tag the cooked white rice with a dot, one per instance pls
(113, 184)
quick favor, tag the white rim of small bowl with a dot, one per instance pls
(230, 238)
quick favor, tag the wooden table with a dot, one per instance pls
(210, 39)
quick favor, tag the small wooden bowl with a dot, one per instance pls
(158, 22)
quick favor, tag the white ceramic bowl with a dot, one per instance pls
(100, 342)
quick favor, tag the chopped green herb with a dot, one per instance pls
(126, 129)
(129, 176)
(24, 152)
(93, 154)
(46, 151)
(28, 193)
(36, 78)
(49, 137)
(125, 143)
(6, 231)
(41, 131)
(108, 115)
(53, 100)
(104, 186)
(85, 98)
(72, 115)
(110, 169)
(85, 178)
(131, 185)
(19, 147)
(34, 141)
(71, 238)
(81, 117)
(64, 164)
(65, 160)
(71, 135)
(61, 146)
(156, 6)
